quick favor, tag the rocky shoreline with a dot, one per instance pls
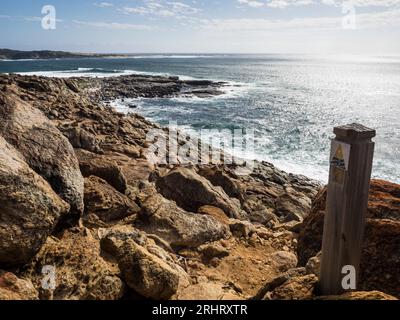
(78, 194)
(145, 86)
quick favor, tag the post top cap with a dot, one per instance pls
(354, 131)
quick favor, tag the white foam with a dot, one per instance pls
(119, 106)
(286, 164)
(172, 56)
(187, 78)
(22, 60)
(96, 73)
(80, 72)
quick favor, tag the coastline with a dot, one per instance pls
(213, 234)
(292, 115)
(18, 55)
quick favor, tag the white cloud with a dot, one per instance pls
(162, 8)
(281, 4)
(364, 3)
(25, 18)
(389, 18)
(103, 4)
(33, 19)
(251, 3)
(113, 25)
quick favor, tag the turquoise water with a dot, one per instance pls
(292, 102)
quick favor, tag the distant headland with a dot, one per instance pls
(48, 54)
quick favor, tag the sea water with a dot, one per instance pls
(292, 102)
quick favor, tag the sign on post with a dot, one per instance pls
(347, 201)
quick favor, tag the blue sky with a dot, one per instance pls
(220, 26)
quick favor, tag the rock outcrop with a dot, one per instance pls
(297, 288)
(134, 86)
(178, 227)
(207, 291)
(380, 259)
(14, 288)
(107, 169)
(81, 273)
(191, 191)
(148, 274)
(380, 262)
(107, 203)
(29, 209)
(267, 195)
(147, 263)
(360, 295)
(295, 284)
(43, 146)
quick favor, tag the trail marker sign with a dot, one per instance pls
(339, 161)
(347, 200)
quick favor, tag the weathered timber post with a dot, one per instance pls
(347, 201)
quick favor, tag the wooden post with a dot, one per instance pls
(347, 201)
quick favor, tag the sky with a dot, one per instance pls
(208, 26)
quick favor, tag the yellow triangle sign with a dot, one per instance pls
(339, 153)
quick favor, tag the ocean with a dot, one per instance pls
(292, 102)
